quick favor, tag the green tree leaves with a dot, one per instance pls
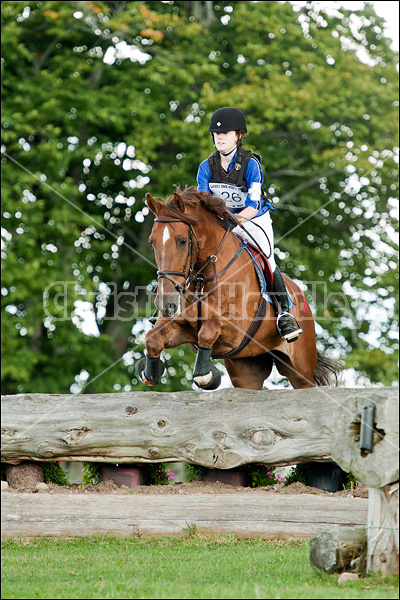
(104, 101)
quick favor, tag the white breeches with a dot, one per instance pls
(261, 230)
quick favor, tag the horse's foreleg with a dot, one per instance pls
(208, 334)
(154, 341)
(165, 334)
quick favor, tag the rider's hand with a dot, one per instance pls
(229, 222)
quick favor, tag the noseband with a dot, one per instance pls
(189, 259)
(191, 277)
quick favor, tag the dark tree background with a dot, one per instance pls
(104, 101)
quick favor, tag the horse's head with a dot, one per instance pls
(176, 249)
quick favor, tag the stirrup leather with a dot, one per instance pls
(292, 335)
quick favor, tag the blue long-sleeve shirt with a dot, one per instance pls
(235, 198)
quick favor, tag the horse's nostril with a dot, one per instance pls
(171, 309)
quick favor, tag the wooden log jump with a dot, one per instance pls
(246, 515)
(223, 430)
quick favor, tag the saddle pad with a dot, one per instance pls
(261, 271)
(261, 261)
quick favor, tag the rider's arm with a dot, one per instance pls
(203, 177)
(254, 180)
(247, 213)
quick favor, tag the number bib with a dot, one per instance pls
(234, 197)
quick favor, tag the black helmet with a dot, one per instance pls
(227, 119)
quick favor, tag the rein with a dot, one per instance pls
(196, 277)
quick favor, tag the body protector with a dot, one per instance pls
(232, 186)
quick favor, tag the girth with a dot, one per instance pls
(251, 332)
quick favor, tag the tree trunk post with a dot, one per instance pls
(383, 530)
(379, 469)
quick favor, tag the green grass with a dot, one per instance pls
(190, 567)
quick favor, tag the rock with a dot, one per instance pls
(42, 487)
(343, 577)
(4, 486)
(335, 549)
(24, 475)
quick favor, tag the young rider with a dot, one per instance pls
(235, 175)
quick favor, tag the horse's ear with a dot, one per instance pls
(178, 201)
(154, 205)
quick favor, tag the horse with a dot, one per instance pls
(208, 296)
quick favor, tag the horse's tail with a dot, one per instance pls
(327, 370)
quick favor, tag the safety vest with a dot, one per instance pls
(236, 175)
(231, 186)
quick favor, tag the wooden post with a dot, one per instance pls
(379, 470)
(381, 467)
(383, 530)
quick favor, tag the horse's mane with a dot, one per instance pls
(193, 198)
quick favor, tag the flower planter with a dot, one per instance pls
(130, 475)
(325, 476)
(231, 477)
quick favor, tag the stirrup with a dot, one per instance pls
(291, 336)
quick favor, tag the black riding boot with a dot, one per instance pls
(287, 326)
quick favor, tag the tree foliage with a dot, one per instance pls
(104, 101)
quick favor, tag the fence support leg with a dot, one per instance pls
(382, 528)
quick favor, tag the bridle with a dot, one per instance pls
(192, 276)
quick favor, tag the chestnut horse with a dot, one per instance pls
(209, 295)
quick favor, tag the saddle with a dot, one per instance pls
(262, 262)
(263, 272)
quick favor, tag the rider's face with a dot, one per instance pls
(226, 141)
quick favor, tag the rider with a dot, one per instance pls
(235, 175)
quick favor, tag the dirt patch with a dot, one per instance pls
(193, 487)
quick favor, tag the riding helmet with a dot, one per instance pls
(227, 119)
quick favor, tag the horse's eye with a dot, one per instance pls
(181, 242)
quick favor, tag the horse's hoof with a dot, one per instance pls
(203, 380)
(211, 381)
(146, 381)
(140, 367)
